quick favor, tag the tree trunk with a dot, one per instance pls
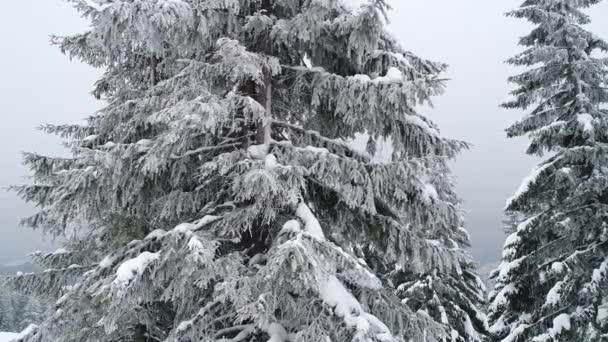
(263, 135)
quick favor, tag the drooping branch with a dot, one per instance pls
(335, 143)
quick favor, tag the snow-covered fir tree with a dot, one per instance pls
(455, 297)
(552, 283)
(7, 310)
(17, 311)
(217, 196)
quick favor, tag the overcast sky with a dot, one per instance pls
(38, 85)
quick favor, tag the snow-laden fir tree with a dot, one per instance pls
(7, 310)
(456, 297)
(553, 281)
(217, 197)
(17, 311)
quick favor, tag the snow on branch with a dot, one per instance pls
(316, 135)
(133, 268)
(561, 323)
(311, 224)
(345, 305)
(528, 182)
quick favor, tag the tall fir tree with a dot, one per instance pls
(217, 196)
(456, 297)
(7, 310)
(17, 311)
(552, 284)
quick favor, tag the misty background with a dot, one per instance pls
(38, 85)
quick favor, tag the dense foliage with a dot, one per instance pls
(218, 195)
(552, 284)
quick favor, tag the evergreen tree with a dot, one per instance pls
(552, 283)
(452, 297)
(17, 311)
(217, 196)
(7, 312)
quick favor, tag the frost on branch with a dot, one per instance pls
(217, 195)
(546, 286)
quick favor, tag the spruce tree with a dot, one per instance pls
(17, 311)
(456, 297)
(7, 310)
(552, 283)
(217, 196)
(455, 300)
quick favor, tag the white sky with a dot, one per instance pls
(38, 85)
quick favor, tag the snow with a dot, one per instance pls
(528, 181)
(30, 328)
(512, 239)
(90, 137)
(292, 226)
(602, 313)
(435, 243)
(393, 75)
(189, 227)
(429, 193)
(553, 125)
(331, 290)
(258, 152)
(184, 227)
(470, 330)
(270, 162)
(416, 121)
(465, 232)
(524, 225)
(317, 150)
(156, 234)
(277, 333)
(106, 262)
(444, 315)
(554, 296)
(96, 6)
(557, 267)
(352, 5)
(7, 337)
(513, 336)
(506, 267)
(194, 244)
(510, 245)
(586, 120)
(311, 224)
(345, 305)
(134, 267)
(307, 62)
(600, 272)
(144, 143)
(361, 78)
(183, 326)
(398, 56)
(502, 296)
(60, 251)
(560, 323)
